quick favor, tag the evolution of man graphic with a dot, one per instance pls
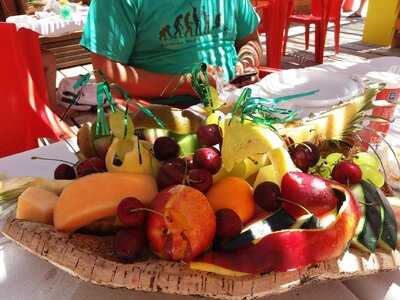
(193, 23)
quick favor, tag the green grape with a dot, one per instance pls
(333, 158)
(321, 169)
(372, 175)
(117, 121)
(365, 158)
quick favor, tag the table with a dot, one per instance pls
(58, 36)
(51, 24)
(24, 276)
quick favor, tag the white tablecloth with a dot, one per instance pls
(24, 276)
(51, 25)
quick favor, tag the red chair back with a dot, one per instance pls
(335, 8)
(274, 18)
(24, 112)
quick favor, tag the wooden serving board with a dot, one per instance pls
(90, 259)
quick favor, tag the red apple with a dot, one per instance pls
(184, 226)
(312, 192)
(285, 250)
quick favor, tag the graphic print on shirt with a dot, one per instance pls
(192, 24)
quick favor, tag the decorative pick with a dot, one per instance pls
(201, 85)
(265, 111)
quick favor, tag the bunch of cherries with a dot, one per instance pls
(194, 171)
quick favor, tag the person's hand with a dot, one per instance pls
(242, 68)
(212, 79)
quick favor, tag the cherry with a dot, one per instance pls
(266, 195)
(209, 135)
(305, 155)
(208, 159)
(165, 148)
(313, 153)
(228, 223)
(170, 174)
(347, 172)
(126, 212)
(200, 179)
(90, 166)
(129, 244)
(64, 171)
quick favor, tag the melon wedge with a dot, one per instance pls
(97, 196)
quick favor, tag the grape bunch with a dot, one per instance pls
(194, 171)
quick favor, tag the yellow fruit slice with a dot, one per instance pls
(133, 162)
(281, 162)
(121, 125)
(97, 196)
(36, 205)
(243, 140)
(266, 173)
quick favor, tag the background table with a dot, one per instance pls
(58, 36)
(24, 276)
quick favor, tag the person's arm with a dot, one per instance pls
(140, 83)
(250, 53)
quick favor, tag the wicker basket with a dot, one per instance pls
(90, 259)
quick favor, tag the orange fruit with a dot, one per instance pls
(234, 193)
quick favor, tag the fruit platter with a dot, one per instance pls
(239, 201)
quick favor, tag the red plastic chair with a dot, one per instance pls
(322, 12)
(274, 17)
(24, 110)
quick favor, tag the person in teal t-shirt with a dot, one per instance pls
(146, 46)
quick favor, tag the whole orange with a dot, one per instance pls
(234, 193)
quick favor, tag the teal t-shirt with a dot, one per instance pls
(169, 36)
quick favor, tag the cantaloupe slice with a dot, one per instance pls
(36, 205)
(97, 196)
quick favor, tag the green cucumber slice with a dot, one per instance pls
(369, 227)
(388, 233)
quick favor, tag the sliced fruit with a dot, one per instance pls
(97, 196)
(120, 124)
(369, 227)
(176, 120)
(125, 156)
(258, 230)
(188, 144)
(184, 226)
(282, 163)
(234, 193)
(366, 158)
(388, 235)
(244, 169)
(266, 173)
(242, 140)
(84, 140)
(330, 124)
(372, 175)
(294, 248)
(306, 132)
(36, 205)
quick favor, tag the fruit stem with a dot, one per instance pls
(53, 159)
(296, 204)
(151, 211)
